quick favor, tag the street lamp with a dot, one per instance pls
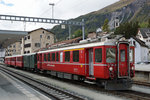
(52, 4)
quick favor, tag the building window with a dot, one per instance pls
(25, 52)
(14, 46)
(25, 38)
(117, 24)
(40, 36)
(48, 37)
(43, 31)
(75, 56)
(47, 44)
(67, 56)
(27, 45)
(37, 44)
(98, 55)
(28, 37)
(53, 56)
(57, 56)
(28, 52)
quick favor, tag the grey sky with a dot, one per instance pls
(63, 9)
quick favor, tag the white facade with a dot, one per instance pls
(146, 40)
(141, 52)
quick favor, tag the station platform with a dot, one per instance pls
(13, 89)
(142, 67)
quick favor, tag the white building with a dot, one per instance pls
(36, 40)
(144, 35)
(141, 50)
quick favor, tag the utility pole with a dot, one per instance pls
(69, 32)
(83, 29)
(52, 4)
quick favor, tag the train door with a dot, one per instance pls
(91, 69)
(123, 60)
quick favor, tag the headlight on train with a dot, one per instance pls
(110, 68)
(132, 68)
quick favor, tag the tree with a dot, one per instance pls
(127, 29)
(105, 26)
(77, 33)
(143, 24)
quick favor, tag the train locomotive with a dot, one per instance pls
(110, 63)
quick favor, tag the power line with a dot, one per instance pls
(58, 2)
(79, 4)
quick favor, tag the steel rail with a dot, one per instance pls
(47, 88)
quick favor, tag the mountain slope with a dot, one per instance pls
(125, 10)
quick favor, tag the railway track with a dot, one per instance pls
(132, 95)
(48, 89)
(141, 83)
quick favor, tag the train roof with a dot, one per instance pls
(81, 45)
(20, 55)
(28, 54)
(13, 56)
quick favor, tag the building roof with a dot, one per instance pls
(145, 32)
(92, 35)
(142, 43)
(75, 40)
(48, 30)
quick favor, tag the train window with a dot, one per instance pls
(53, 56)
(75, 56)
(110, 55)
(48, 57)
(131, 55)
(122, 55)
(45, 57)
(61, 56)
(57, 56)
(98, 55)
(18, 59)
(67, 56)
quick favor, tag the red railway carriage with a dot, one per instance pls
(8, 60)
(13, 61)
(110, 63)
(19, 61)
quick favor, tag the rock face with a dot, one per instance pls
(124, 10)
(129, 12)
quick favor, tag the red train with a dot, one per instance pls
(108, 63)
